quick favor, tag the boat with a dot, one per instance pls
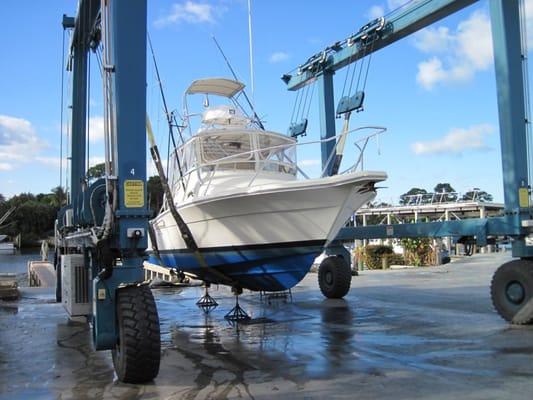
(236, 186)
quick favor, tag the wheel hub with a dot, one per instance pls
(329, 278)
(515, 292)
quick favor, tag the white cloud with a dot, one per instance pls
(278, 56)
(456, 56)
(430, 72)
(375, 12)
(5, 167)
(96, 129)
(190, 11)
(96, 160)
(18, 139)
(457, 141)
(50, 161)
(437, 40)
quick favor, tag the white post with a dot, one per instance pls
(448, 239)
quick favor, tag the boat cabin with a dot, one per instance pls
(228, 142)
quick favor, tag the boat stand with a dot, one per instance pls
(206, 302)
(285, 295)
(237, 313)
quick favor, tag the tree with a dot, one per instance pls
(380, 204)
(2, 198)
(21, 199)
(476, 194)
(96, 171)
(155, 193)
(407, 198)
(58, 198)
(442, 188)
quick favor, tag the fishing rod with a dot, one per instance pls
(256, 117)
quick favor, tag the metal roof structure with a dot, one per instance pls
(218, 86)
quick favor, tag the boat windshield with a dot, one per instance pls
(250, 150)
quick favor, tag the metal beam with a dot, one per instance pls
(480, 228)
(88, 11)
(510, 70)
(79, 122)
(129, 88)
(81, 38)
(327, 119)
(399, 24)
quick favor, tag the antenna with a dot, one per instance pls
(251, 50)
(235, 77)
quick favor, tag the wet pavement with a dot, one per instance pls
(427, 333)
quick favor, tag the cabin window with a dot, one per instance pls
(227, 151)
(277, 154)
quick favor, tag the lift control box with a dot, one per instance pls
(75, 285)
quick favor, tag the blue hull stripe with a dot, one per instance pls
(267, 267)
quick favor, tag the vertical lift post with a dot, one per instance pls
(104, 228)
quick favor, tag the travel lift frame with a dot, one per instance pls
(120, 308)
(512, 284)
(122, 311)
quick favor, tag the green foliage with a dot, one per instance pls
(396, 259)
(404, 198)
(59, 197)
(446, 188)
(96, 171)
(34, 215)
(476, 194)
(417, 251)
(155, 194)
(371, 255)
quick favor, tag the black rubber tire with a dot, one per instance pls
(519, 311)
(57, 264)
(137, 354)
(334, 277)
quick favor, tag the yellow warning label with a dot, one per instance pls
(134, 193)
(523, 198)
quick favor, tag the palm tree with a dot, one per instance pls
(59, 197)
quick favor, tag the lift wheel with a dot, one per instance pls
(334, 277)
(137, 354)
(512, 291)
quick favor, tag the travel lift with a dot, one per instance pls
(512, 284)
(102, 233)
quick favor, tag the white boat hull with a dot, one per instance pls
(316, 211)
(289, 219)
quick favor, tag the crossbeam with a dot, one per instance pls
(396, 26)
(480, 228)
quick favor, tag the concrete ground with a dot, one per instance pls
(427, 333)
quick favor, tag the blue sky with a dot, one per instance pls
(434, 91)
